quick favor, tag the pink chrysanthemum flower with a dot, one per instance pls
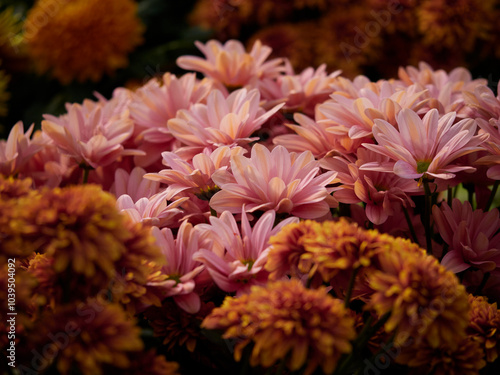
(134, 184)
(424, 147)
(354, 117)
(483, 103)
(492, 145)
(181, 268)
(315, 137)
(155, 210)
(301, 92)
(378, 190)
(472, 236)
(85, 134)
(446, 88)
(48, 167)
(17, 150)
(222, 121)
(231, 65)
(157, 102)
(195, 176)
(237, 259)
(274, 180)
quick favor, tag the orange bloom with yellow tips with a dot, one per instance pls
(82, 39)
(484, 326)
(287, 322)
(425, 301)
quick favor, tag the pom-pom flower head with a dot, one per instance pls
(82, 39)
(287, 322)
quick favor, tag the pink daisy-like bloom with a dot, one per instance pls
(48, 167)
(315, 137)
(378, 190)
(181, 268)
(301, 92)
(157, 102)
(155, 210)
(237, 259)
(274, 180)
(134, 184)
(354, 117)
(492, 145)
(222, 121)
(231, 65)
(424, 147)
(85, 134)
(483, 103)
(447, 88)
(472, 236)
(17, 150)
(195, 176)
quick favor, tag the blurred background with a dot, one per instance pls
(58, 51)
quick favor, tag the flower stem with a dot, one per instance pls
(485, 279)
(492, 196)
(410, 225)
(427, 215)
(86, 170)
(350, 287)
(346, 366)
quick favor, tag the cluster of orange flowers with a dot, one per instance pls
(362, 35)
(382, 294)
(81, 270)
(338, 294)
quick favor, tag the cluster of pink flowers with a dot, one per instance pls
(218, 165)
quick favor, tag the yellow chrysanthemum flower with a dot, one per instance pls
(82, 39)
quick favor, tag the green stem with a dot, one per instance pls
(364, 336)
(427, 215)
(492, 196)
(85, 175)
(213, 212)
(470, 193)
(281, 366)
(350, 287)
(86, 170)
(479, 289)
(410, 225)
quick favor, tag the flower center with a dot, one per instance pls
(249, 263)
(175, 277)
(422, 166)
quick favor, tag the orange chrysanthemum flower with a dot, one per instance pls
(425, 301)
(151, 364)
(96, 335)
(285, 257)
(286, 321)
(79, 227)
(138, 266)
(448, 23)
(465, 359)
(329, 251)
(176, 326)
(82, 39)
(484, 326)
(11, 187)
